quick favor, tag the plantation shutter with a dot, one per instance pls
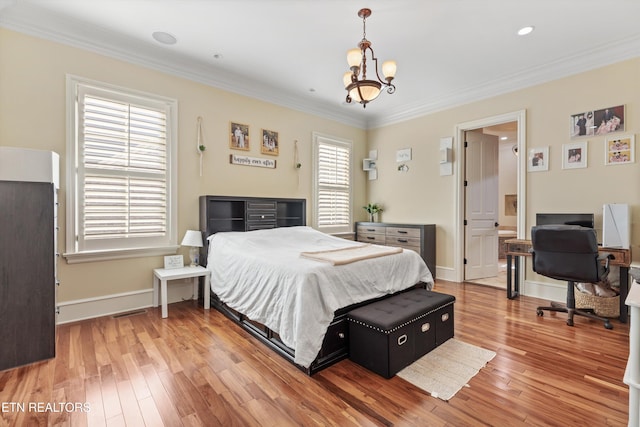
(122, 159)
(333, 184)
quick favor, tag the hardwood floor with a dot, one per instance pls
(197, 368)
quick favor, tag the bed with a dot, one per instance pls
(262, 279)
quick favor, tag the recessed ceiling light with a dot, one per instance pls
(311, 90)
(164, 38)
(217, 56)
(525, 30)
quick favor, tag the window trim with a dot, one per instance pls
(72, 254)
(317, 138)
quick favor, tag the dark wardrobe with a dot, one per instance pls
(28, 215)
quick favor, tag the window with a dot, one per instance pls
(121, 173)
(332, 184)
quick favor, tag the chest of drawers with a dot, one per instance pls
(418, 237)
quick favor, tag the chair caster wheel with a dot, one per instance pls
(608, 325)
(540, 313)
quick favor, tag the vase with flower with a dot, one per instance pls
(372, 209)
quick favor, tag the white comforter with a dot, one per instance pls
(262, 275)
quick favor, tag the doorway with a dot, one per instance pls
(491, 202)
(490, 125)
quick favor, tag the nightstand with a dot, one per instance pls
(161, 276)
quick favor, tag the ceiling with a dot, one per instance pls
(293, 52)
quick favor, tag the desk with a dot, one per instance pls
(162, 275)
(518, 247)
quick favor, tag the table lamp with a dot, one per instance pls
(193, 238)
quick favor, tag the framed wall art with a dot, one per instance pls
(510, 204)
(609, 120)
(619, 150)
(582, 124)
(269, 142)
(597, 122)
(538, 159)
(574, 156)
(239, 136)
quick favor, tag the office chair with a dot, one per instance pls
(569, 252)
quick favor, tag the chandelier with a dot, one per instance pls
(359, 88)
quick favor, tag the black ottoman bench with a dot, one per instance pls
(388, 335)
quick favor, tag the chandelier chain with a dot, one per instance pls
(364, 28)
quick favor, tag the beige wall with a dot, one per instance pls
(32, 115)
(423, 196)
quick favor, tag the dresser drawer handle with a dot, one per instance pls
(371, 229)
(403, 241)
(371, 238)
(402, 339)
(402, 232)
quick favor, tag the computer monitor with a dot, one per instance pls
(582, 219)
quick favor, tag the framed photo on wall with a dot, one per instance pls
(538, 159)
(597, 122)
(574, 156)
(619, 150)
(609, 120)
(269, 142)
(582, 124)
(239, 136)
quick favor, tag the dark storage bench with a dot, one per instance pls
(388, 335)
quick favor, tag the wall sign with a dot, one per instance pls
(252, 161)
(403, 155)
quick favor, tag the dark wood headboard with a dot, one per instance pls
(232, 213)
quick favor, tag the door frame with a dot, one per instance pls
(459, 231)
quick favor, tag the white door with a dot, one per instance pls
(481, 206)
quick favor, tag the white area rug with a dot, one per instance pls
(446, 369)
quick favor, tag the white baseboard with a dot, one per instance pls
(107, 305)
(446, 273)
(548, 291)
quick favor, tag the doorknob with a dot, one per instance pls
(496, 224)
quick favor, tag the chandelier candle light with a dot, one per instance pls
(359, 88)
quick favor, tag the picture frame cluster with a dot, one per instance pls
(597, 122)
(607, 122)
(239, 139)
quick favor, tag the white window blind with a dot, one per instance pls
(123, 150)
(122, 197)
(333, 184)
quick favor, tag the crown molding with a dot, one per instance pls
(100, 41)
(33, 21)
(579, 63)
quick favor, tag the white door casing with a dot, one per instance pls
(457, 274)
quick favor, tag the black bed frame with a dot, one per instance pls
(230, 213)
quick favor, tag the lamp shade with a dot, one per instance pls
(354, 57)
(192, 238)
(369, 89)
(389, 69)
(346, 78)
